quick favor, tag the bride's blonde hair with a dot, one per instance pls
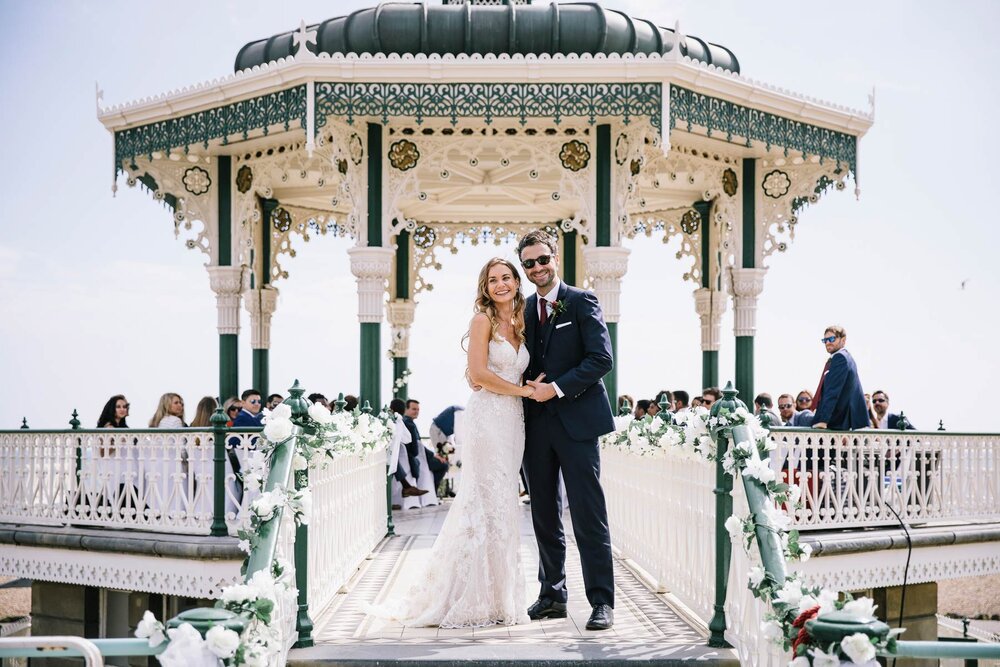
(484, 302)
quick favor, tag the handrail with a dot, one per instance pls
(138, 431)
(48, 647)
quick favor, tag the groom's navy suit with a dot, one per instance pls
(573, 349)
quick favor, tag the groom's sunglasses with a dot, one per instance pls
(541, 261)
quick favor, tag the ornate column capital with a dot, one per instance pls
(710, 305)
(747, 285)
(227, 283)
(400, 313)
(372, 266)
(261, 304)
(606, 266)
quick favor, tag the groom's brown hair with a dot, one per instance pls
(536, 237)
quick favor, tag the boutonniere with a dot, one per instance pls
(558, 307)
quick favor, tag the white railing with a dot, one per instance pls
(148, 479)
(661, 510)
(285, 615)
(856, 479)
(348, 521)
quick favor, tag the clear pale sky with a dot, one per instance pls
(97, 298)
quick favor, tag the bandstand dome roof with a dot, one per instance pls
(422, 28)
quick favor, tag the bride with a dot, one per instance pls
(473, 576)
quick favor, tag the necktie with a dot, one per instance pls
(543, 316)
(819, 390)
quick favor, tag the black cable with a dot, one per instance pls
(906, 568)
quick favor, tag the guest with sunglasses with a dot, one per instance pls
(114, 413)
(795, 411)
(884, 419)
(232, 407)
(249, 415)
(839, 401)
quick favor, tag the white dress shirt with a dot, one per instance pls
(551, 295)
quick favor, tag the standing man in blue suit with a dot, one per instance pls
(839, 401)
(570, 345)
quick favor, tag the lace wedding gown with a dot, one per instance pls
(473, 577)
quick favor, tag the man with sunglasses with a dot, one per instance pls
(570, 346)
(839, 401)
(250, 415)
(884, 418)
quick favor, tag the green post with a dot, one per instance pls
(723, 510)
(219, 527)
(744, 366)
(228, 366)
(603, 175)
(261, 371)
(709, 368)
(569, 258)
(371, 368)
(74, 423)
(399, 365)
(303, 623)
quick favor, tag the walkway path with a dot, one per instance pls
(647, 627)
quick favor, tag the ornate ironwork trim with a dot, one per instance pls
(240, 118)
(717, 115)
(489, 101)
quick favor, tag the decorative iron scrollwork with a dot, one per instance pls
(575, 155)
(404, 155)
(424, 237)
(776, 184)
(690, 222)
(281, 219)
(197, 181)
(730, 184)
(244, 179)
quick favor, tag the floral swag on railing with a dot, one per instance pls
(694, 435)
(325, 437)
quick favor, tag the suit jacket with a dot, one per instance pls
(446, 419)
(842, 404)
(893, 422)
(802, 418)
(413, 447)
(573, 349)
(246, 420)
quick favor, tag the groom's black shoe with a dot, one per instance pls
(602, 618)
(545, 608)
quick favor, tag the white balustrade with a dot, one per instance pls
(857, 479)
(661, 510)
(348, 521)
(286, 610)
(149, 479)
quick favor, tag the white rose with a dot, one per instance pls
(238, 594)
(861, 608)
(794, 493)
(756, 576)
(735, 527)
(278, 430)
(744, 447)
(858, 648)
(299, 462)
(827, 601)
(772, 631)
(741, 412)
(790, 594)
(263, 586)
(187, 649)
(779, 520)
(265, 506)
(221, 641)
(255, 659)
(824, 659)
(806, 552)
(282, 411)
(759, 469)
(320, 414)
(800, 661)
(244, 545)
(150, 628)
(806, 603)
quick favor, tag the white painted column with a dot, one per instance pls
(747, 285)
(606, 266)
(227, 283)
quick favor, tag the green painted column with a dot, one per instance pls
(709, 368)
(569, 258)
(399, 366)
(606, 286)
(227, 283)
(401, 311)
(611, 379)
(261, 371)
(371, 368)
(747, 285)
(709, 302)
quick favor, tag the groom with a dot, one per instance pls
(569, 343)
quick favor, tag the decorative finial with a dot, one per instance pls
(367, 409)
(24, 422)
(340, 403)
(664, 412)
(301, 39)
(903, 421)
(679, 41)
(941, 425)
(74, 423)
(295, 400)
(625, 409)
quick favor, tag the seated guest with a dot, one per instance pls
(273, 401)
(763, 405)
(885, 419)
(442, 429)
(625, 404)
(169, 413)
(696, 402)
(250, 415)
(641, 408)
(709, 396)
(231, 407)
(203, 413)
(786, 409)
(319, 398)
(653, 408)
(350, 403)
(403, 434)
(114, 413)
(681, 401)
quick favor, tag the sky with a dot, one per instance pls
(98, 298)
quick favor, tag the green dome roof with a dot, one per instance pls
(421, 28)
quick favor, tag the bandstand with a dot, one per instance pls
(411, 128)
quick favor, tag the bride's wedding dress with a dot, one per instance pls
(473, 576)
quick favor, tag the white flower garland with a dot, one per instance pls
(693, 435)
(328, 436)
